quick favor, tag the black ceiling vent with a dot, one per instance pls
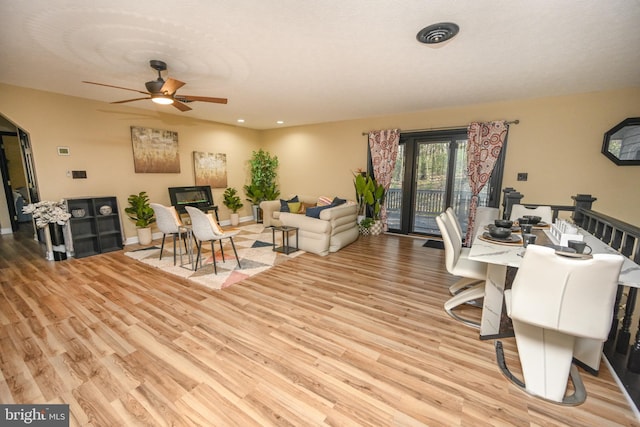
(438, 33)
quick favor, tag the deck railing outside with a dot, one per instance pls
(428, 205)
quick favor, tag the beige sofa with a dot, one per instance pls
(335, 229)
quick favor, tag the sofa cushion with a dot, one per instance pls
(294, 207)
(324, 201)
(304, 206)
(314, 212)
(284, 204)
(337, 201)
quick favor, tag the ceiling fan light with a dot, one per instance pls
(162, 99)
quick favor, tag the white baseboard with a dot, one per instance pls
(6, 231)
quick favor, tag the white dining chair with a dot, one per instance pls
(544, 212)
(484, 215)
(469, 271)
(169, 223)
(554, 301)
(206, 229)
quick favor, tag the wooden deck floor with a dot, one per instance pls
(355, 338)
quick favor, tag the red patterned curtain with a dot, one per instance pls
(483, 148)
(383, 145)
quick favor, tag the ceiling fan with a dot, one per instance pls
(164, 92)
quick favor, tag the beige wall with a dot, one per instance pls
(98, 136)
(557, 143)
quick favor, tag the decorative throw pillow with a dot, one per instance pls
(338, 201)
(284, 204)
(314, 212)
(214, 225)
(294, 207)
(324, 201)
(305, 206)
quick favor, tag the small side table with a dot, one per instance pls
(286, 248)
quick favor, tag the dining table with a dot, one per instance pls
(504, 257)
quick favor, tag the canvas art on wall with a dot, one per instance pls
(155, 150)
(210, 169)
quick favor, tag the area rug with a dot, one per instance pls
(254, 244)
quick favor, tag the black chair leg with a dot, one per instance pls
(162, 245)
(213, 253)
(174, 249)
(235, 252)
(221, 249)
(198, 257)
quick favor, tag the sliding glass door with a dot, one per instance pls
(430, 175)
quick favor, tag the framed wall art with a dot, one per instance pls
(210, 169)
(155, 150)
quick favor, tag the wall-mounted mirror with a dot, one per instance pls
(622, 143)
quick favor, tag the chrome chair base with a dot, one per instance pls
(465, 297)
(577, 398)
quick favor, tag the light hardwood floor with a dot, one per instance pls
(355, 338)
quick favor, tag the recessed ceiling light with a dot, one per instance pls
(240, 120)
(438, 33)
(280, 122)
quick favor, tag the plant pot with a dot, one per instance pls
(144, 235)
(364, 231)
(57, 242)
(235, 219)
(376, 228)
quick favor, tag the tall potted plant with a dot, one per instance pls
(232, 201)
(140, 211)
(370, 197)
(378, 194)
(262, 169)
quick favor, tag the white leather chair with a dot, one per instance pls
(168, 222)
(206, 229)
(484, 215)
(460, 266)
(555, 301)
(544, 212)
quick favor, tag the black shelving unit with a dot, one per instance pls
(95, 225)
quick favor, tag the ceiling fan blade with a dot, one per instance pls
(171, 85)
(201, 98)
(180, 106)
(129, 100)
(117, 87)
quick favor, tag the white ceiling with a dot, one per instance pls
(305, 61)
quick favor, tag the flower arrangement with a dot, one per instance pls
(47, 212)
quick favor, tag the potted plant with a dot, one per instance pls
(363, 185)
(263, 180)
(51, 215)
(232, 201)
(365, 226)
(142, 214)
(370, 197)
(377, 199)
